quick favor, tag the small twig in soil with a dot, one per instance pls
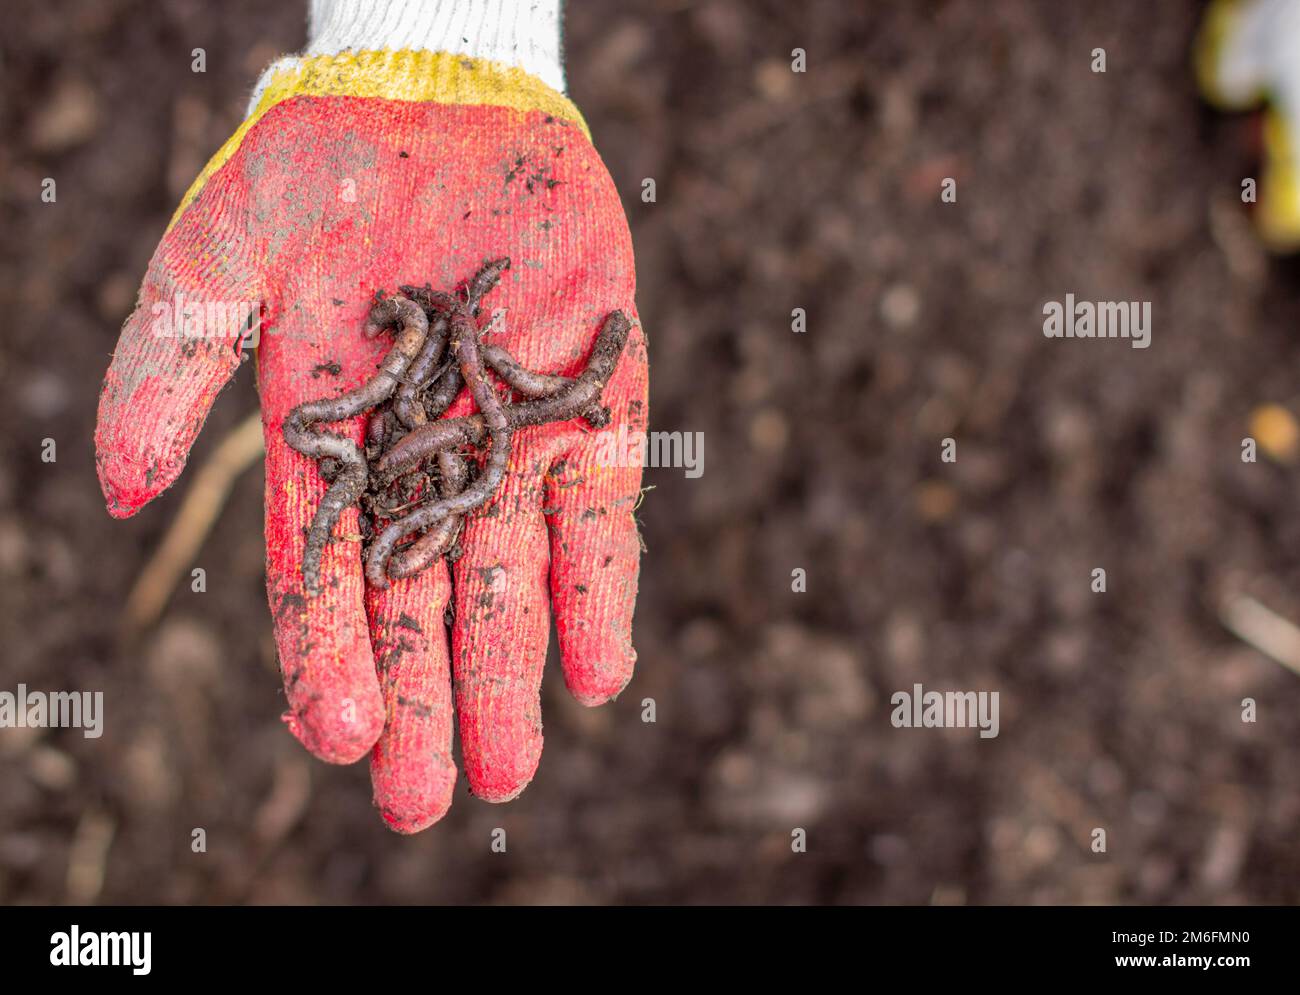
(192, 524)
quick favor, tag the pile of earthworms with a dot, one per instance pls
(414, 480)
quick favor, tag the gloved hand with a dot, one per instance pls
(363, 170)
(1247, 54)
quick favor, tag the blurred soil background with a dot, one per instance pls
(1120, 711)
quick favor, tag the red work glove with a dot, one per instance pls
(358, 172)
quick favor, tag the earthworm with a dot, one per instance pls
(578, 395)
(448, 385)
(575, 398)
(409, 410)
(411, 390)
(482, 282)
(378, 432)
(428, 440)
(406, 405)
(478, 287)
(349, 475)
(464, 345)
(533, 384)
(444, 390)
(572, 396)
(414, 327)
(519, 377)
(453, 472)
(442, 536)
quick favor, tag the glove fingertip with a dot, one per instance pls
(128, 485)
(412, 800)
(504, 776)
(598, 683)
(338, 733)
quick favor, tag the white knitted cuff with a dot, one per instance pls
(520, 33)
(1259, 55)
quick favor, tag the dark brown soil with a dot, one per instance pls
(775, 191)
